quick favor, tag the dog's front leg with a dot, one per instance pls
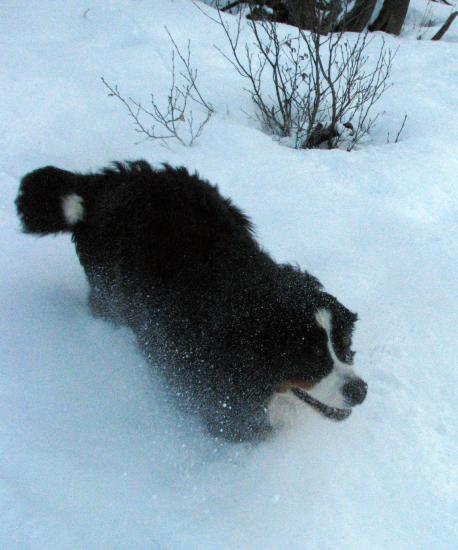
(240, 423)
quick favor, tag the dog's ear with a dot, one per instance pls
(340, 312)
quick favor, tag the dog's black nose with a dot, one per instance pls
(355, 391)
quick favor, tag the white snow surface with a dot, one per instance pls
(92, 454)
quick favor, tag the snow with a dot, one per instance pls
(93, 455)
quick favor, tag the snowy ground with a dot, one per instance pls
(91, 454)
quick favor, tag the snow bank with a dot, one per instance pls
(92, 454)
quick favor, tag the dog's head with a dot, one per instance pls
(322, 373)
(311, 356)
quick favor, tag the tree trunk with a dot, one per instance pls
(306, 14)
(323, 17)
(357, 19)
(391, 16)
(301, 13)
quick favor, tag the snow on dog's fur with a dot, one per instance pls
(228, 328)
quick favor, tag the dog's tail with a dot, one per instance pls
(49, 201)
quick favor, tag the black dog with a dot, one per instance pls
(168, 256)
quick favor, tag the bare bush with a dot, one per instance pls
(312, 88)
(177, 119)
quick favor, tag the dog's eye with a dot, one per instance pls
(345, 341)
(319, 351)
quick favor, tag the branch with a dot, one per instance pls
(233, 5)
(176, 120)
(440, 33)
(191, 75)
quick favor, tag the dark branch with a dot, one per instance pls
(445, 27)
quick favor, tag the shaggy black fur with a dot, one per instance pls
(166, 255)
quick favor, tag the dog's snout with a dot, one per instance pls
(355, 391)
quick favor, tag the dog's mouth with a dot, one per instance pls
(333, 413)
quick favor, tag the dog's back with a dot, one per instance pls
(136, 228)
(178, 208)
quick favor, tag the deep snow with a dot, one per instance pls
(92, 454)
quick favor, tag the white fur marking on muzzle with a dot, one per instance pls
(73, 208)
(329, 390)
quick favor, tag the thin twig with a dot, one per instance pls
(398, 135)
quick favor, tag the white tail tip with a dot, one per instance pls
(73, 208)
